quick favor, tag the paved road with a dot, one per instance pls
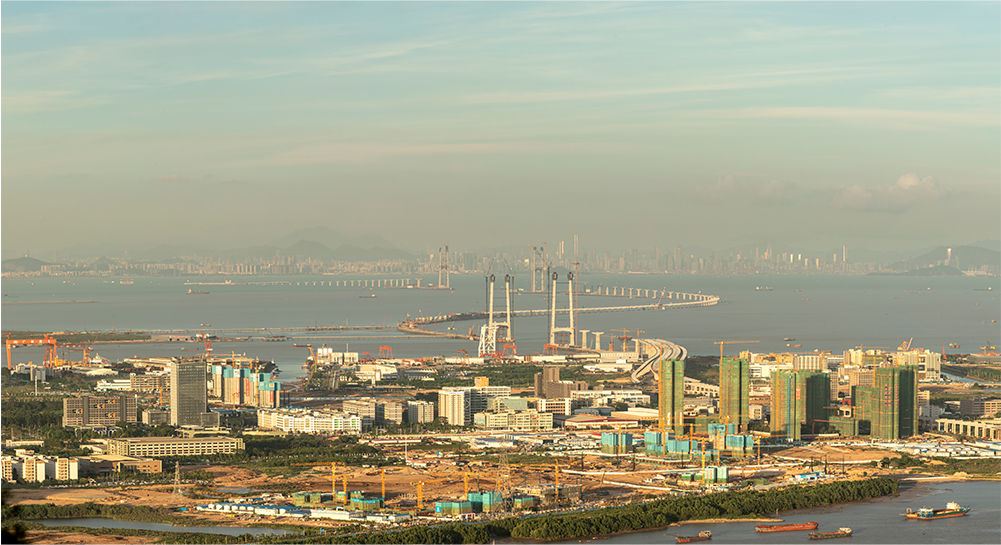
(663, 350)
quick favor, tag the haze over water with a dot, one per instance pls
(830, 313)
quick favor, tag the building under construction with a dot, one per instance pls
(547, 493)
(672, 395)
(890, 406)
(735, 388)
(798, 397)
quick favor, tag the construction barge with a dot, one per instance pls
(704, 535)
(842, 532)
(785, 527)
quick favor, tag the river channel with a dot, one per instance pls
(875, 521)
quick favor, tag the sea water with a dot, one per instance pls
(821, 312)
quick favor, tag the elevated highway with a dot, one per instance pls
(662, 350)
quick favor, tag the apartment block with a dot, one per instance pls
(99, 410)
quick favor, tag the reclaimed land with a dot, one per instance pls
(742, 505)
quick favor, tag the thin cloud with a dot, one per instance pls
(868, 115)
(169, 178)
(371, 152)
(908, 192)
(729, 188)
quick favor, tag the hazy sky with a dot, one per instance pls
(483, 124)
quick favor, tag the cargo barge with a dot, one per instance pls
(785, 527)
(704, 535)
(842, 532)
(952, 509)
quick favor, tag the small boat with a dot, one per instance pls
(952, 509)
(787, 339)
(125, 282)
(953, 345)
(704, 535)
(842, 532)
(785, 527)
(762, 288)
(370, 296)
(195, 292)
(794, 345)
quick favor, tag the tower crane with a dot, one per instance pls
(721, 343)
(333, 475)
(624, 337)
(419, 485)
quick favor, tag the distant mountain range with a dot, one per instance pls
(22, 264)
(963, 258)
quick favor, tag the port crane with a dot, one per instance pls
(48, 341)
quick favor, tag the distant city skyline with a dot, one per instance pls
(229, 125)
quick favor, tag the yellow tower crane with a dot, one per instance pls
(721, 343)
(333, 474)
(419, 485)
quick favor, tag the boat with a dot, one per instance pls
(983, 289)
(704, 535)
(952, 509)
(126, 282)
(794, 345)
(196, 292)
(370, 296)
(205, 325)
(953, 345)
(787, 339)
(762, 288)
(842, 532)
(785, 527)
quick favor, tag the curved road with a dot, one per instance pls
(664, 350)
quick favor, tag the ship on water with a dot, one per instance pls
(785, 527)
(952, 509)
(842, 532)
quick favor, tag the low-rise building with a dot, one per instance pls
(157, 447)
(308, 421)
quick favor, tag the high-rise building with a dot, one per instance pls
(453, 405)
(188, 396)
(549, 386)
(798, 397)
(672, 395)
(895, 414)
(735, 388)
(420, 411)
(99, 410)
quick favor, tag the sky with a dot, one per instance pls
(632, 125)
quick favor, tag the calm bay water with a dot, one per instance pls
(829, 313)
(876, 521)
